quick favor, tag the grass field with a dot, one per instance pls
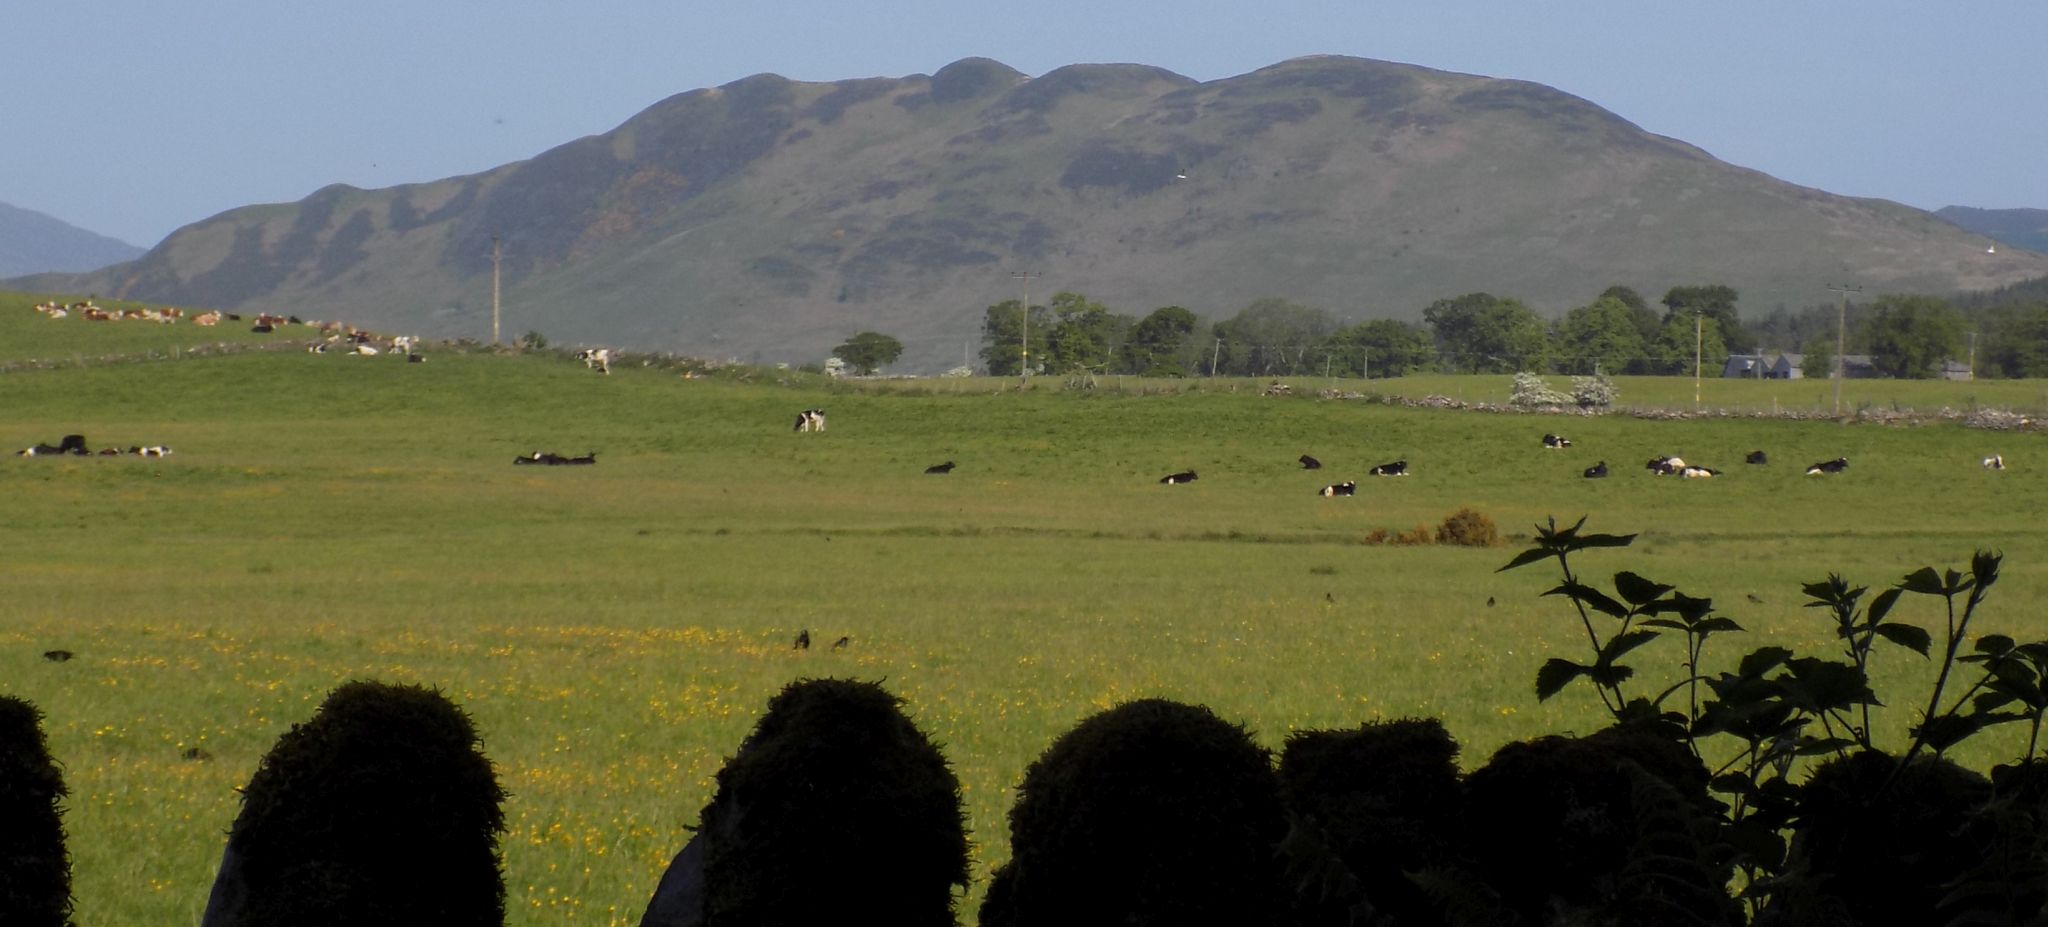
(616, 629)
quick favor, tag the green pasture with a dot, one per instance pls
(616, 629)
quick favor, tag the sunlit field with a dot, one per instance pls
(616, 630)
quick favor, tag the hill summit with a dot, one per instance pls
(769, 219)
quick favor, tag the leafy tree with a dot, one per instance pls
(1818, 360)
(1600, 337)
(1272, 336)
(1483, 333)
(2017, 343)
(1159, 343)
(1648, 323)
(1910, 336)
(1716, 302)
(1382, 347)
(1677, 346)
(1084, 333)
(1003, 337)
(869, 351)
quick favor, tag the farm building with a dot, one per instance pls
(1763, 367)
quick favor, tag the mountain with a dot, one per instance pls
(2020, 228)
(770, 219)
(31, 242)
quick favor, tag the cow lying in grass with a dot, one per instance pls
(72, 444)
(1556, 442)
(546, 459)
(1185, 476)
(1346, 488)
(1397, 468)
(1836, 465)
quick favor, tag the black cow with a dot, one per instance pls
(1836, 465)
(1397, 468)
(1555, 442)
(1310, 463)
(841, 643)
(1185, 476)
(1346, 488)
(1755, 457)
(940, 469)
(57, 656)
(1597, 471)
(803, 640)
(537, 457)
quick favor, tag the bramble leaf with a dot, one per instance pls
(1555, 675)
(1905, 635)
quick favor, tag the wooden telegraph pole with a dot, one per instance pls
(497, 255)
(1842, 290)
(1024, 364)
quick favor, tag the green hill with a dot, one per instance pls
(770, 219)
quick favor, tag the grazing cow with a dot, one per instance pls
(803, 640)
(1185, 476)
(1310, 463)
(841, 643)
(1346, 488)
(940, 469)
(1556, 442)
(1755, 457)
(1994, 462)
(154, 450)
(810, 420)
(1397, 468)
(598, 359)
(1665, 466)
(1597, 471)
(58, 656)
(1836, 465)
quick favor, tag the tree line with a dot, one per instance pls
(1618, 332)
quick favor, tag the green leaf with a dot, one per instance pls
(1946, 731)
(1589, 596)
(1820, 685)
(1527, 557)
(1762, 660)
(1636, 590)
(1994, 644)
(1609, 675)
(1555, 675)
(1882, 605)
(1923, 581)
(1623, 643)
(1905, 635)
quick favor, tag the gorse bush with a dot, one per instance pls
(35, 871)
(379, 810)
(1468, 528)
(836, 809)
(1152, 812)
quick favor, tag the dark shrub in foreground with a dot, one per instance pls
(1152, 812)
(1881, 843)
(35, 871)
(1385, 799)
(379, 810)
(836, 810)
(1609, 828)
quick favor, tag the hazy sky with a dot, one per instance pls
(134, 117)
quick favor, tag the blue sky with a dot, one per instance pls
(134, 117)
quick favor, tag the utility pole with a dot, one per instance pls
(1841, 335)
(1215, 357)
(1024, 341)
(1699, 341)
(497, 254)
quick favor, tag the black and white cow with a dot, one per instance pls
(1836, 465)
(1698, 473)
(1310, 463)
(1346, 488)
(598, 359)
(72, 444)
(154, 450)
(810, 420)
(939, 469)
(1397, 468)
(1556, 442)
(1185, 476)
(1756, 457)
(1994, 462)
(1666, 466)
(1597, 471)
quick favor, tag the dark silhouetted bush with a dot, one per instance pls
(1613, 826)
(381, 809)
(1879, 844)
(35, 871)
(1386, 800)
(1152, 812)
(835, 810)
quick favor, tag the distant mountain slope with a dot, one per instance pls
(31, 243)
(770, 219)
(2020, 228)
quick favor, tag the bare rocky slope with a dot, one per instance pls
(768, 219)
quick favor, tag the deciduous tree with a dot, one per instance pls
(1909, 336)
(868, 352)
(1003, 337)
(1383, 348)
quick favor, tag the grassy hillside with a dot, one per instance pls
(616, 629)
(768, 219)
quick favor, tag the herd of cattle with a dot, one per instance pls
(75, 446)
